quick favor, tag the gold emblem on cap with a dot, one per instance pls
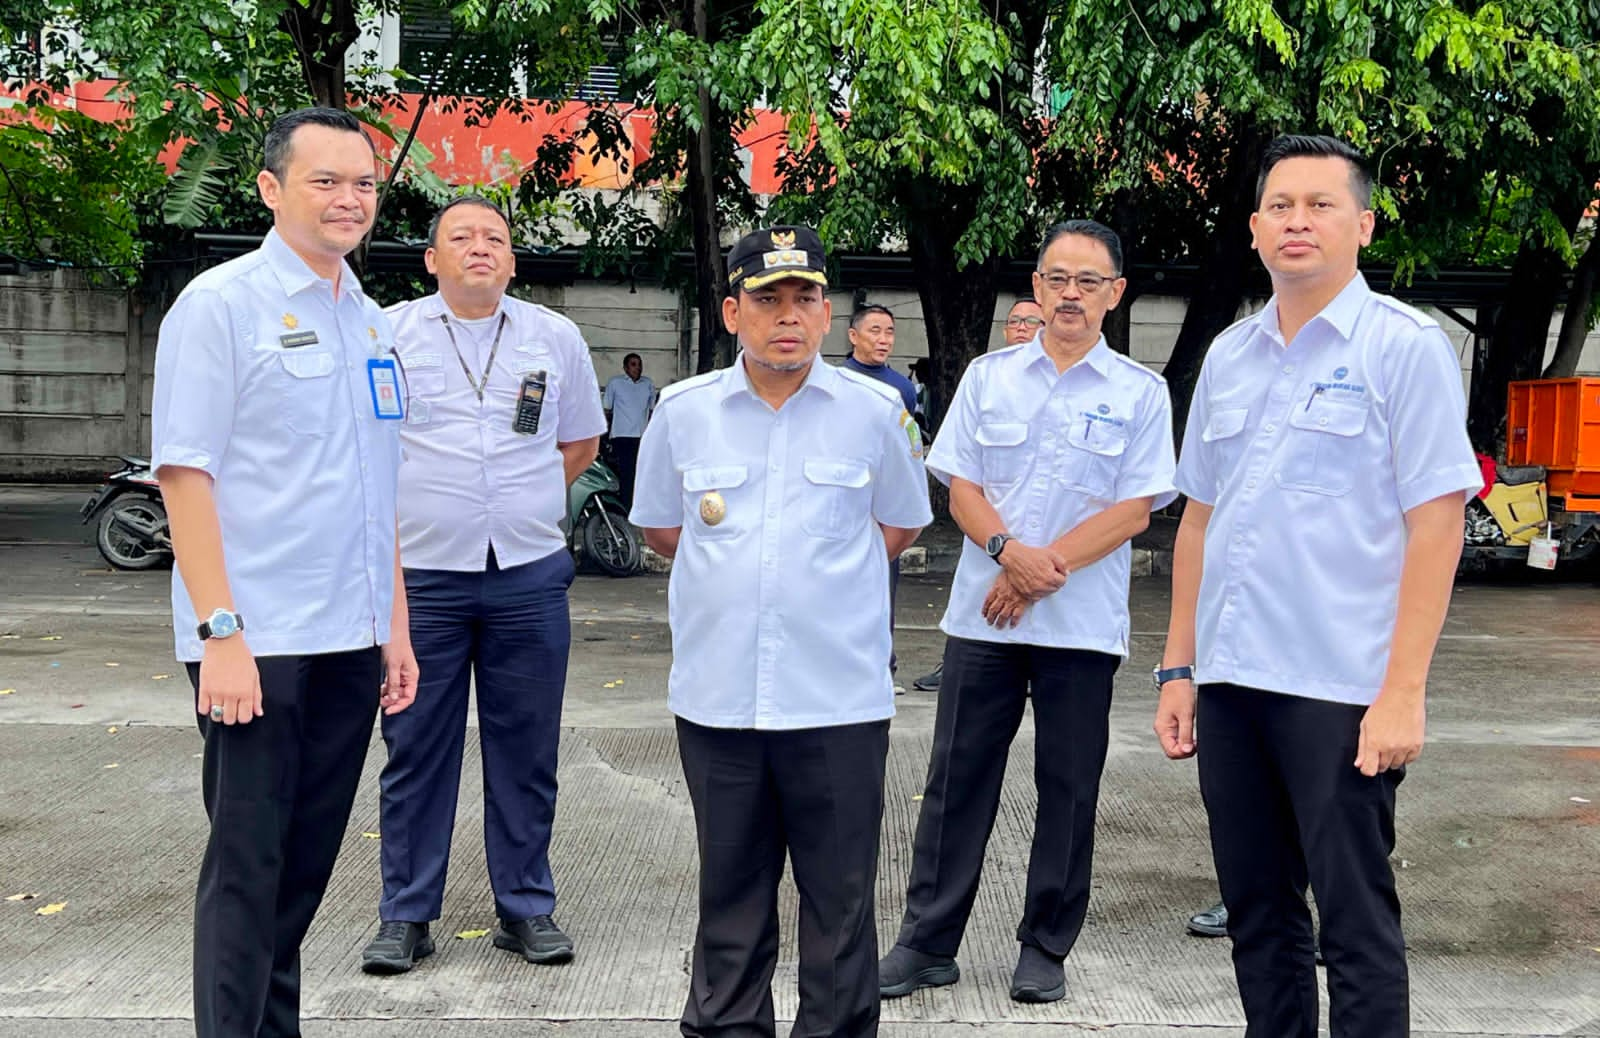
(713, 509)
(291, 322)
(783, 239)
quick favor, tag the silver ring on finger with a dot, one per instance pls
(216, 713)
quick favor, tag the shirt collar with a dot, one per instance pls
(1341, 312)
(434, 307)
(1098, 358)
(822, 376)
(294, 275)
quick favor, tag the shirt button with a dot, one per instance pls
(1322, 421)
(1269, 427)
(1288, 369)
(1251, 484)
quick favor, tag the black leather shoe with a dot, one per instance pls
(1213, 922)
(538, 940)
(929, 682)
(904, 970)
(396, 948)
(1039, 977)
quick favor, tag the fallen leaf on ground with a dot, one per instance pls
(471, 935)
(917, 797)
(112, 730)
(75, 706)
(108, 767)
(22, 897)
(633, 637)
(1578, 800)
(6, 691)
(609, 684)
(370, 836)
(9, 637)
(588, 623)
(160, 677)
(113, 664)
(51, 638)
(51, 909)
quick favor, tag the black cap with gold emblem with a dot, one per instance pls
(774, 253)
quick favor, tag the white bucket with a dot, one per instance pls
(1542, 552)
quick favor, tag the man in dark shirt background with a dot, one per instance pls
(871, 341)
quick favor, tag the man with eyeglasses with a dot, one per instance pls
(1055, 452)
(1023, 322)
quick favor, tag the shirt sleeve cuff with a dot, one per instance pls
(1161, 490)
(945, 468)
(1205, 497)
(1457, 478)
(185, 458)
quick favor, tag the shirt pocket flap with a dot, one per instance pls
(301, 364)
(837, 473)
(1225, 423)
(1002, 434)
(1332, 416)
(720, 477)
(418, 361)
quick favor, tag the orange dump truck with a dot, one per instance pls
(1550, 484)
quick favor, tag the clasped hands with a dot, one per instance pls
(1027, 574)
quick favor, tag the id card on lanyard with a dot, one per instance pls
(383, 380)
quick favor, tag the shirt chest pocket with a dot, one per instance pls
(1322, 449)
(425, 384)
(1004, 452)
(301, 383)
(1220, 440)
(1093, 457)
(838, 499)
(716, 501)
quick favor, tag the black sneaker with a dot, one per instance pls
(1038, 978)
(904, 970)
(929, 682)
(396, 948)
(538, 940)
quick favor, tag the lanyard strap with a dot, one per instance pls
(478, 385)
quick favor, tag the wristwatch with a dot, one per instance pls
(1171, 674)
(221, 624)
(996, 545)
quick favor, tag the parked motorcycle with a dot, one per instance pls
(132, 530)
(597, 522)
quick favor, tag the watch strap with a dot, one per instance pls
(1173, 674)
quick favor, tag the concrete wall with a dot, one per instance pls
(76, 361)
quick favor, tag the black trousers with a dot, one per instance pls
(1287, 805)
(625, 452)
(816, 793)
(278, 792)
(981, 700)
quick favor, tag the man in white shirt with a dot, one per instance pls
(275, 441)
(1055, 452)
(629, 398)
(782, 486)
(1327, 467)
(503, 414)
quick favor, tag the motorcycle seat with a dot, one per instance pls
(1517, 475)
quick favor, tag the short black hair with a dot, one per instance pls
(477, 200)
(868, 310)
(280, 136)
(1317, 146)
(632, 356)
(1019, 301)
(1085, 229)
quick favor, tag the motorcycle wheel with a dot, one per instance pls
(613, 545)
(124, 549)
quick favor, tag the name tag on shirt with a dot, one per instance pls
(383, 379)
(294, 340)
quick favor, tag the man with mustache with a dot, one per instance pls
(274, 438)
(1327, 468)
(503, 414)
(782, 487)
(1055, 453)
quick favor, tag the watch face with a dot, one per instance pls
(223, 624)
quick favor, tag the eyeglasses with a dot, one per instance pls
(1088, 283)
(1024, 322)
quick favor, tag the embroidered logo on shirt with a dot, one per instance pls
(291, 322)
(1104, 409)
(1339, 373)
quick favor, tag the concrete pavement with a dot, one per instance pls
(1499, 846)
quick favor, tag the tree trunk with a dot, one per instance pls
(1118, 328)
(1223, 281)
(1516, 345)
(1575, 322)
(322, 31)
(715, 345)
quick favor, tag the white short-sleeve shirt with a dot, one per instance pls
(467, 478)
(780, 608)
(1311, 454)
(261, 380)
(1050, 450)
(629, 403)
